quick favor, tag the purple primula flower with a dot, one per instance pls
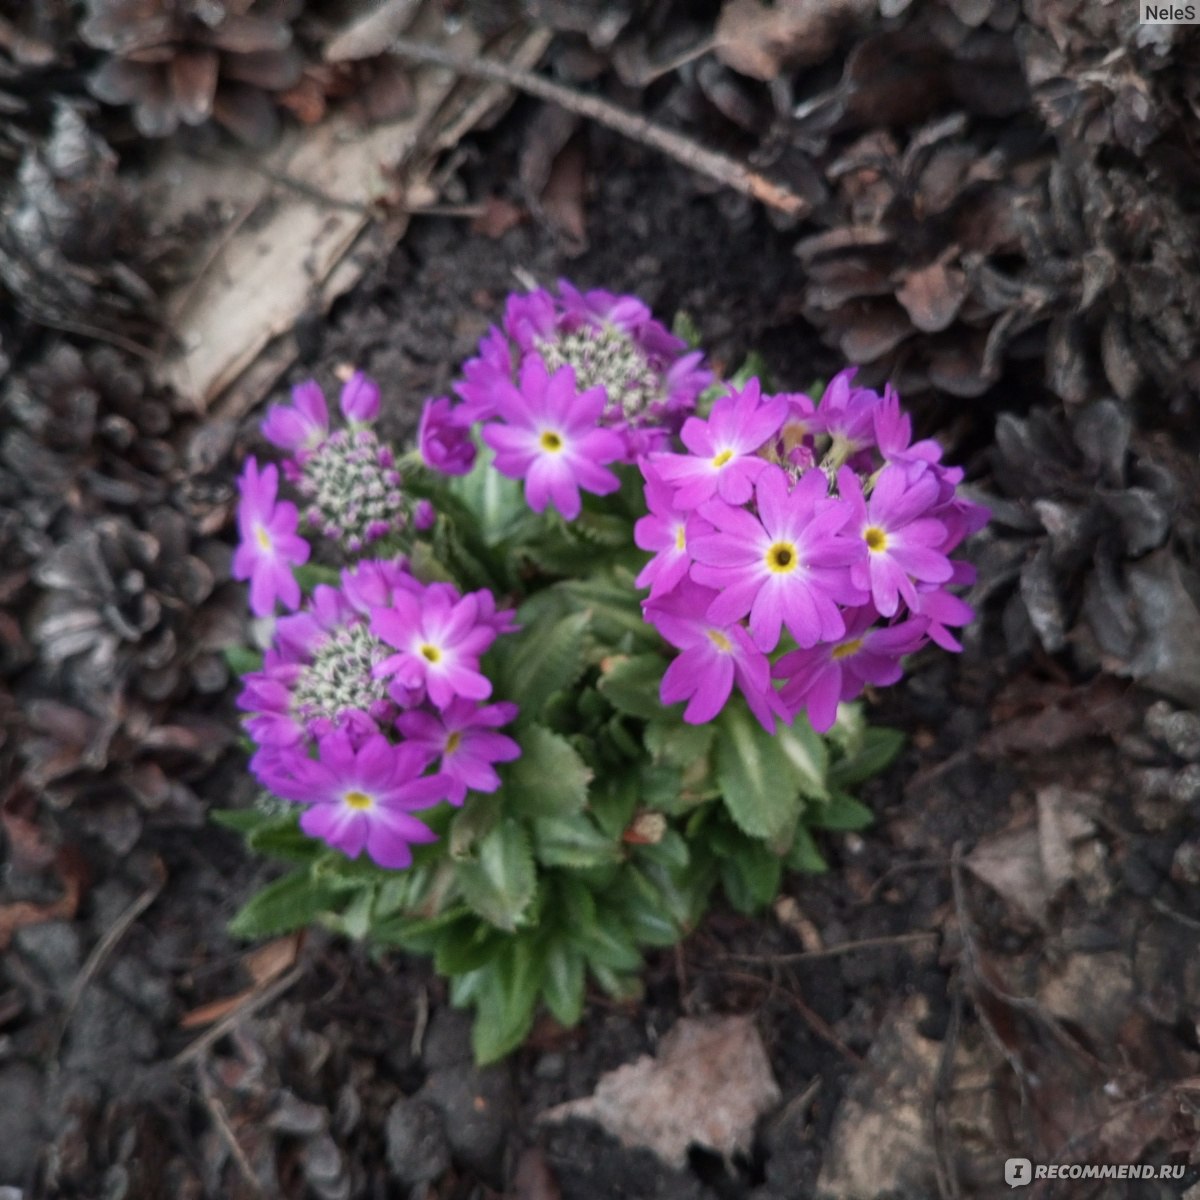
(724, 449)
(902, 540)
(820, 677)
(444, 439)
(714, 657)
(649, 378)
(303, 426)
(362, 797)
(424, 516)
(893, 433)
(847, 414)
(439, 640)
(360, 398)
(550, 438)
(942, 609)
(667, 531)
(464, 738)
(270, 546)
(789, 565)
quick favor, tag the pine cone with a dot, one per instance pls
(120, 765)
(64, 234)
(1077, 551)
(94, 407)
(189, 61)
(135, 607)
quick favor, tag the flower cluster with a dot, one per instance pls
(371, 684)
(568, 385)
(347, 476)
(820, 531)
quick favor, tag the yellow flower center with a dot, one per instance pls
(431, 653)
(875, 538)
(680, 540)
(551, 441)
(263, 537)
(721, 459)
(453, 742)
(782, 558)
(359, 801)
(847, 649)
(719, 640)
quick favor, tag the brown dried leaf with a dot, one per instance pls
(759, 40)
(73, 874)
(708, 1086)
(563, 197)
(498, 217)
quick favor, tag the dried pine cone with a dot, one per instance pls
(1084, 538)
(131, 607)
(64, 232)
(121, 764)
(93, 406)
(189, 61)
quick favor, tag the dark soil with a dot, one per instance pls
(307, 1097)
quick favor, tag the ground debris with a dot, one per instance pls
(708, 1085)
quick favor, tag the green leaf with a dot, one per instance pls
(807, 756)
(613, 600)
(644, 910)
(608, 944)
(671, 741)
(684, 326)
(804, 855)
(242, 820)
(242, 660)
(631, 684)
(751, 876)
(753, 366)
(465, 946)
(842, 812)
(756, 777)
(501, 882)
(562, 984)
(505, 995)
(573, 841)
(495, 502)
(549, 779)
(308, 575)
(879, 746)
(284, 839)
(474, 821)
(288, 903)
(543, 661)
(614, 799)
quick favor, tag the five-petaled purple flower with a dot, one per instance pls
(901, 539)
(270, 546)
(439, 639)
(822, 676)
(551, 439)
(787, 565)
(724, 458)
(463, 736)
(715, 656)
(362, 798)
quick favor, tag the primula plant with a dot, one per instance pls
(534, 691)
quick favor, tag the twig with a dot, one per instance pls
(899, 939)
(220, 1117)
(193, 1051)
(416, 1044)
(105, 946)
(721, 167)
(96, 332)
(947, 1169)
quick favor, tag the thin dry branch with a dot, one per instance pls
(721, 167)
